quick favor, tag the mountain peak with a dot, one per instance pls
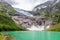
(42, 6)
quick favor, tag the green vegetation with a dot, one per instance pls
(56, 19)
(54, 28)
(6, 37)
(6, 8)
(6, 22)
(1, 37)
(54, 14)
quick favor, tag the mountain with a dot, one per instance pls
(9, 1)
(50, 9)
(24, 12)
(40, 18)
(6, 22)
(46, 7)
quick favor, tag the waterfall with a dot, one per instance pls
(38, 28)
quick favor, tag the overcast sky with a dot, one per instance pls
(27, 4)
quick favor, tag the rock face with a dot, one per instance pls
(49, 6)
(28, 22)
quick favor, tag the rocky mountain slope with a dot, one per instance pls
(49, 6)
(50, 9)
(29, 20)
(40, 18)
(6, 22)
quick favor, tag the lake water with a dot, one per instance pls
(34, 35)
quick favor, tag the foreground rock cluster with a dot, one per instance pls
(5, 37)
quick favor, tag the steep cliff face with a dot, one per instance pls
(32, 23)
(49, 6)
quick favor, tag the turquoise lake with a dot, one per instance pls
(34, 35)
